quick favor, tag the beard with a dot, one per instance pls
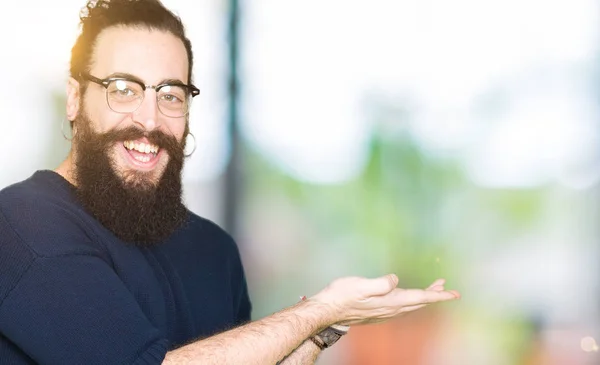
(136, 207)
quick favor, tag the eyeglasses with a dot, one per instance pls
(125, 95)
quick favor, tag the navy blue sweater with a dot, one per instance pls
(72, 293)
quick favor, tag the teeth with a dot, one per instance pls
(141, 147)
(142, 158)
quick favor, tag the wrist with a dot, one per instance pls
(333, 313)
(327, 314)
(329, 336)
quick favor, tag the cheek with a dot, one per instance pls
(177, 128)
(102, 118)
(110, 121)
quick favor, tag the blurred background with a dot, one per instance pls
(426, 138)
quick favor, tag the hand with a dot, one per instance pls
(356, 300)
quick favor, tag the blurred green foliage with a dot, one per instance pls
(409, 211)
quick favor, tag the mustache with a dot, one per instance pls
(164, 141)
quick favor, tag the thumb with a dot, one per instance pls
(381, 285)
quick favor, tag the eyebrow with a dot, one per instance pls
(129, 76)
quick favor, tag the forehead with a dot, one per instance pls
(151, 55)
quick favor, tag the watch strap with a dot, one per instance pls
(329, 336)
(318, 342)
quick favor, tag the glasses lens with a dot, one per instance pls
(173, 100)
(124, 96)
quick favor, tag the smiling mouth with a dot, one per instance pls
(140, 151)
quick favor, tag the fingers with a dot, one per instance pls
(436, 288)
(379, 286)
(409, 297)
(412, 308)
(438, 282)
(438, 285)
(455, 293)
(379, 299)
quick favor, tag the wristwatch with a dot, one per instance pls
(329, 336)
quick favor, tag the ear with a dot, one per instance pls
(73, 99)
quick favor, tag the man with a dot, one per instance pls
(101, 263)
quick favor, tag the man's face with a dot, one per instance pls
(152, 57)
(132, 191)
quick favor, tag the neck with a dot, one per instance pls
(65, 169)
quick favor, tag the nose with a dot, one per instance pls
(147, 114)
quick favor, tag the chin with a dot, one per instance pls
(133, 177)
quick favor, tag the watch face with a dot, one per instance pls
(329, 336)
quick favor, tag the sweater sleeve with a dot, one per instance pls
(242, 298)
(244, 306)
(71, 309)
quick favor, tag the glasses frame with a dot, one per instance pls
(192, 90)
